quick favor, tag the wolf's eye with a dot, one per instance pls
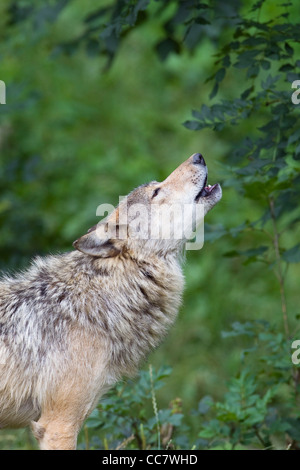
(155, 192)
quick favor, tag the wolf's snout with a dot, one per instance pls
(198, 159)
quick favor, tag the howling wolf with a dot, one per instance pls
(74, 324)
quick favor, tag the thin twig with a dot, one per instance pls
(137, 436)
(154, 406)
(86, 438)
(125, 442)
(279, 273)
(265, 445)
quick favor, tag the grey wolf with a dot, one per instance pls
(74, 324)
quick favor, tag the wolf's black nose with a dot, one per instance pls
(198, 159)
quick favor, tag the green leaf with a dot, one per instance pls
(94, 420)
(247, 92)
(270, 81)
(289, 49)
(167, 46)
(239, 329)
(286, 68)
(201, 20)
(265, 64)
(292, 255)
(214, 232)
(193, 125)
(205, 404)
(214, 91)
(246, 58)
(294, 137)
(220, 74)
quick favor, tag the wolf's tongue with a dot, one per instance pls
(209, 188)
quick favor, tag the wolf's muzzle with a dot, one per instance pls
(198, 159)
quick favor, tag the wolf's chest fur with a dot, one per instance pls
(138, 313)
(129, 303)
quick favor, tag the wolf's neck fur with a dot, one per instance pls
(137, 301)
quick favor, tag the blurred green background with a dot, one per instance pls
(73, 136)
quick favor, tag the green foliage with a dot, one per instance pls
(260, 409)
(266, 171)
(129, 418)
(261, 406)
(106, 27)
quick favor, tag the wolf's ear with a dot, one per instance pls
(97, 243)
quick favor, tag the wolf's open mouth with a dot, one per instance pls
(206, 190)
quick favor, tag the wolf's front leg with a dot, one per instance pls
(57, 434)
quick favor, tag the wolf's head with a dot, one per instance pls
(159, 217)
